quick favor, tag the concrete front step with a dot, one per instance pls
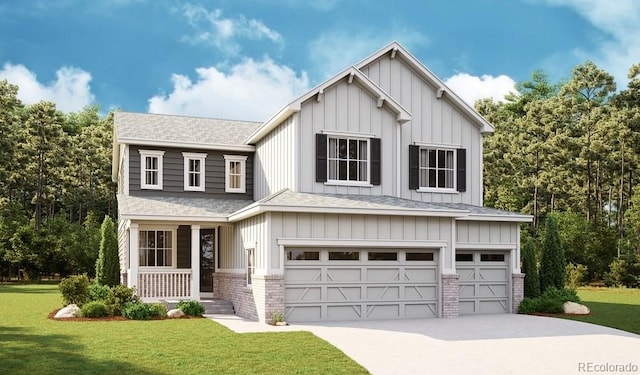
(211, 306)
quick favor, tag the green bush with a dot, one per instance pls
(549, 302)
(119, 297)
(75, 289)
(158, 310)
(193, 308)
(136, 311)
(98, 292)
(575, 274)
(95, 309)
(623, 272)
(108, 263)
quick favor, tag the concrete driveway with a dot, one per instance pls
(482, 344)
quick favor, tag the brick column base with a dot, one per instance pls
(268, 293)
(517, 291)
(232, 287)
(450, 296)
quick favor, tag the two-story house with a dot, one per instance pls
(361, 199)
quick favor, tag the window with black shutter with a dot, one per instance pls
(348, 159)
(437, 168)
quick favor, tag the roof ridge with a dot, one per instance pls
(188, 116)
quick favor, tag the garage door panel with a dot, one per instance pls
(423, 310)
(338, 275)
(421, 274)
(383, 293)
(466, 274)
(302, 275)
(483, 283)
(497, 274)
(344, 293)
(381, 275)
(467, 307)
(344, 312)
(414, 292)
(493, 290)
(302, 294)
(493, 307)
(383, 311)
(303, 313)
(467, 291)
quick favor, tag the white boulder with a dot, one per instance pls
(575, 308)
(69, 311)
(175, 313)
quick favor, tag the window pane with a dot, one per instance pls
(363, 170)
(441, 178)
(492, 257)
(151, 257)
(344, 255)
(449, 180)
(333, 169)
(464, 257)
(160, 254)
(424, 156)
(423, 178)
(303, 255)
(353, 149)
(333, 147)
(416, 257)
(450, 159)
(353, 170)
(342, 148)
(160, 241)
(342, 170)
(382, 256)
(432, 178)
(363, 150)
(432, 158)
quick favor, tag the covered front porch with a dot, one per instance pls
(171, 261)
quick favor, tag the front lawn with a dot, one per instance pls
(612, 307)
(32, 344)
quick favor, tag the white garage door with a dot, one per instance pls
(356, 284)
(484, 286)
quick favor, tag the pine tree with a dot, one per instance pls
(553, 263)
(530, 269)
(108, 264)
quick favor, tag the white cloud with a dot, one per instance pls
(620, 20)
(471, 88)
(251, 90)
(334, 51)
(70, 91)
(214, 29)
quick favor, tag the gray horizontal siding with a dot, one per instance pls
(173, 174)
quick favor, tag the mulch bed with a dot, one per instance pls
(118, 318)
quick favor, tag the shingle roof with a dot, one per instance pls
(181, 129)
(181, 207)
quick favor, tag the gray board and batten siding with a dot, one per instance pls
(173, 174)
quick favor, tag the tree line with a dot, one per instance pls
(55, 187)
(570, 149)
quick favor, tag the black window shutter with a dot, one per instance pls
(321, 157)
(414, 166)
(375, 161)
(461, 170)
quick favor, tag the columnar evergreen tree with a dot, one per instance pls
(553, 263)
(108, 264)
(530, 269)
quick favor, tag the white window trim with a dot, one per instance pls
(349, 136)
(248, 252)
(174, 247)
(451, 190)
(243, 177)
(188, 156)
(143, 156)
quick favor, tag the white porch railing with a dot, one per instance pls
(164, 284)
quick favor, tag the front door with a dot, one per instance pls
(207, 259)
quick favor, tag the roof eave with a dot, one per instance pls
(205, 146)
(505, 218)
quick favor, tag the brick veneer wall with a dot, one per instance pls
(450, 296)
(232, 287)
(517, 290)
(268, 293)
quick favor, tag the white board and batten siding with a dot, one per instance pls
(483, 232)
(123, 245)
(275, 160)
(346, 108)
(434, 121)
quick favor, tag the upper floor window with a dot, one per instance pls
(349, 160)
(437, 168)
(151, 169)
(194, 171)
(235, 173)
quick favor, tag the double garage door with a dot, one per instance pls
(359, 284)
(484, 282)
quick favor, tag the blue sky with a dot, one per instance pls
(244, 59)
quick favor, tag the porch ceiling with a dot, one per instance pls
(178, 208)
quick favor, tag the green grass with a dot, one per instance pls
(32, 344)
(611, 307)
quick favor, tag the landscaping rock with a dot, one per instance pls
(282, 323)
(175, 313)
(575, 308)
(68, 311)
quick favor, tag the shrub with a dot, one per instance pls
(136, 311)
(119, 297)
(95, 309)
(575, 274)
(623, 272)
(75, 289)
(553, 262)
(98, 292)
(277, 317)
(193, 308)
(530, 269)
(108, 263)
(549, 302)
(528, 305)
(158, 310)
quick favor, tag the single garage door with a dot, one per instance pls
(358, 284)
(484, 286)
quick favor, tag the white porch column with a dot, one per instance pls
(195, 262)
(134, 255)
